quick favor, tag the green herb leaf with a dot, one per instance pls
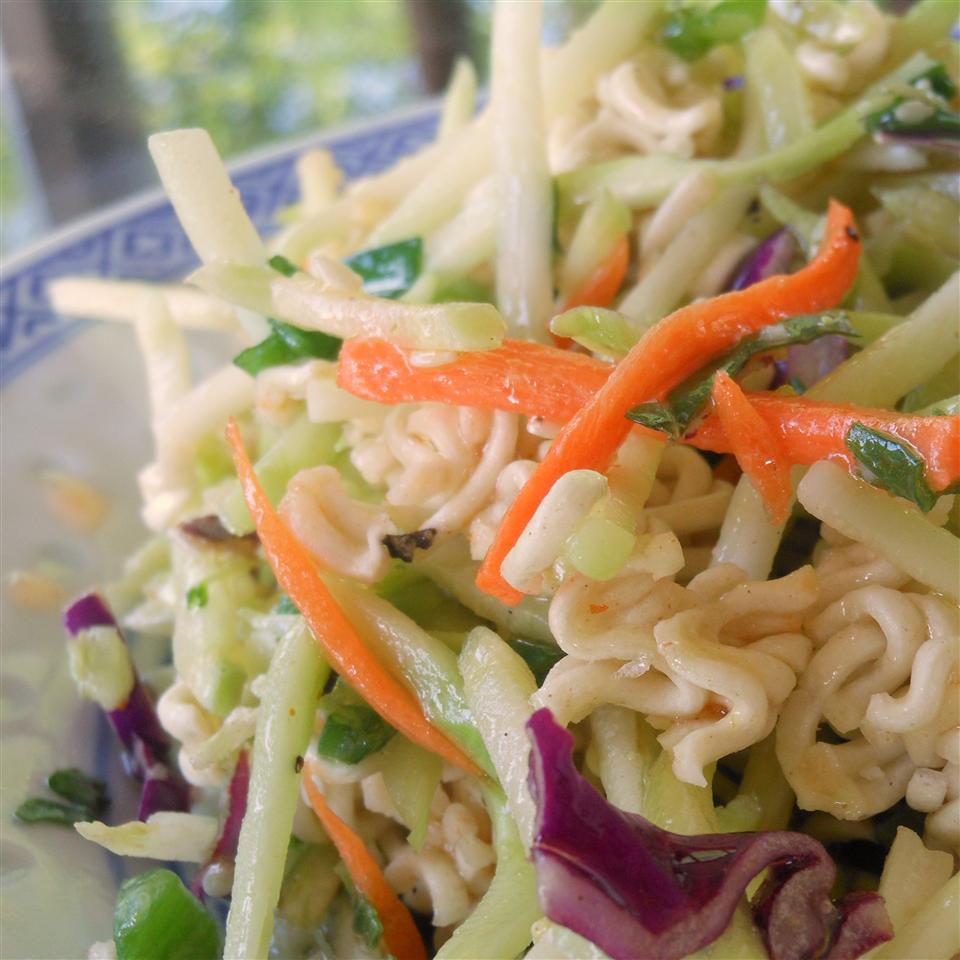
(287, 344)
(656, 416)
(539, 657)
(686, 401)
(690, 32)
(42, 810)
(895, 465)
(197, 596)
(282, 265)
(156, 916)
(80, 788)
(391, 270)
(352, 730)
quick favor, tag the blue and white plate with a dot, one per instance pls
(73, 400)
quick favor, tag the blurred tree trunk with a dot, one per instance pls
(77, 106)
(441, 29)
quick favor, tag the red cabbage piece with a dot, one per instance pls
(225, 850)
(641, 892)
(146, 746)
(808, 363)
(770, 257)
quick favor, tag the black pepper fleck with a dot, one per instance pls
(852, 233)
(401, 546)
(298, 764)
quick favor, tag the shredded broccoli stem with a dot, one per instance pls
(284, 726)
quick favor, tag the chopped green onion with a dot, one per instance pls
(930, 123)
(389, 271)
(287, 344)
(307, 343)
(282, 265)
(197, 596)
(539, 657)
(352, 730)
(157, 917)
(42, 810)
(895, 465)
(87, 799)
(79, 788)
(937, 80)
(924, 121)
(690, 32)
(270, 352)
(366, 921)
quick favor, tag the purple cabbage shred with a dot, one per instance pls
(225, 851)
(146, 746)
(638, 891)
(772, 256)
(808, 363)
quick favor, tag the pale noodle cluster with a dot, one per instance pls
(850, 644)
(709, 664)
(649, 105)
(449, 874)
(342, 533)
(185, 719)
(884, 676)
(438, 464)
(691, 502)
(841, 50)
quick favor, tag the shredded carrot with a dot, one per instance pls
(295, 572)
(400, 935)
(540, 381)
(756, 446)
(605, 282)
(811, 430)
(667, 353)
(520, 377)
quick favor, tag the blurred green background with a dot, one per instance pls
(85, 81)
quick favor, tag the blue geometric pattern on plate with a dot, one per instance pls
(150, 245)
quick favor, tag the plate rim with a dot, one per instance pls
(144, 199)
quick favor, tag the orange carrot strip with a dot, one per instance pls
(400, 934)
(295, 572)
(520, 377)
(667, 353)
(756, 446)
(811, 430)
(605, 282)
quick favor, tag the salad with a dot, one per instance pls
(567, 563)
